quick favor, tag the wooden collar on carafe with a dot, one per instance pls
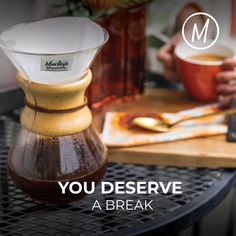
(58, 98)
(56, 110)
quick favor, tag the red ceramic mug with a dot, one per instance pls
(198, 76)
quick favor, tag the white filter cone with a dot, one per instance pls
(54, 50)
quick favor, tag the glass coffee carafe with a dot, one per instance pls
(57, 141)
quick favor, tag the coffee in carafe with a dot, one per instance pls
(57, 142)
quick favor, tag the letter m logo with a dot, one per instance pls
(203, 32)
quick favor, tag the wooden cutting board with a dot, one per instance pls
(200, 152)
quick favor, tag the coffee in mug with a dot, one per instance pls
(207, 57)
(197, 69)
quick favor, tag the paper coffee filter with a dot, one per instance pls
(54, 50)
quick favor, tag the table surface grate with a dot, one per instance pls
(19, 215)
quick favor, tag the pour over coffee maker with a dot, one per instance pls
(57, 141)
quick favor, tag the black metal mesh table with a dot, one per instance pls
(203, 189)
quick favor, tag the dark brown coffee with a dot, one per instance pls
(50, 192)
(38, 162)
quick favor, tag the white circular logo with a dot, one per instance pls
(201, 40)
